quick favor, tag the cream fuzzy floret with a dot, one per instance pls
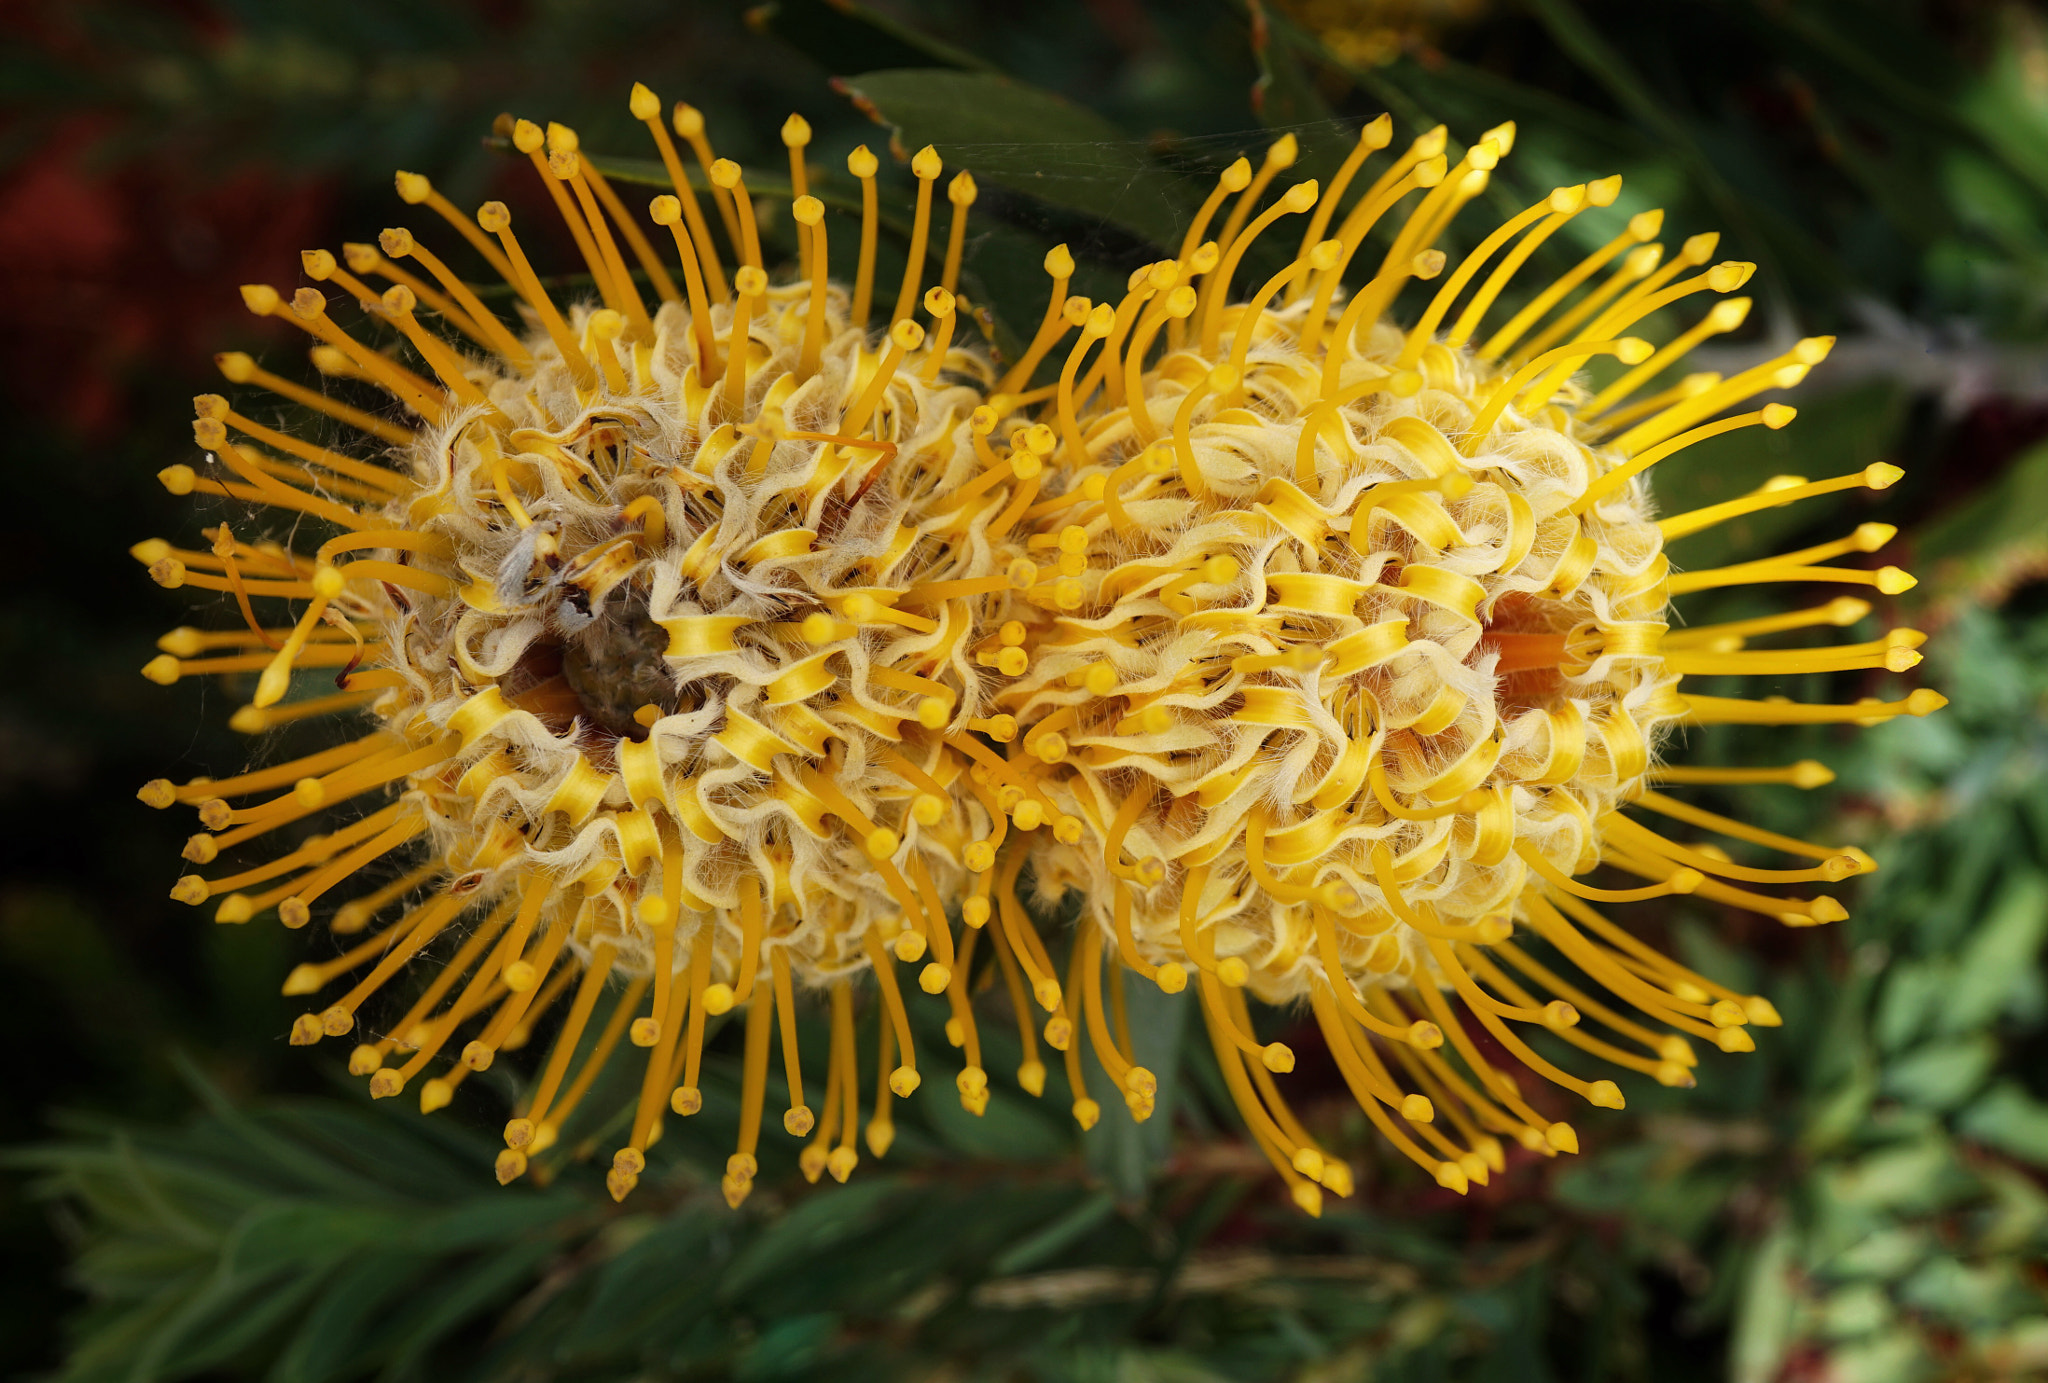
(1261, 708)
(584, 568)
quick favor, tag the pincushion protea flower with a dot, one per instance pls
(1357, 650)
(690, 644)
(656, 618)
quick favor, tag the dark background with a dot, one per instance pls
(1862, 1199)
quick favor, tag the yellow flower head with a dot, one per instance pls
(722, 637)
(665, 605)
(1347, 640)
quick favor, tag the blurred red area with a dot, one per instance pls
(113, 267)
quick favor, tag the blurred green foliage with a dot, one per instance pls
(1860, 1200)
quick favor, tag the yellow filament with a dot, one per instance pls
(1598, 194)
(1280, 154)
(495, 216)
(1740, 830)
(727, 178)
(319, 264)
(1781, 372)
(1641, 228)
(1723, 317)
(1060, 265)
(689, 123)
(1216, 286)
(798, 1121)
(1807, 773)
(309, 310)
(753, 286)
(665, 211)
(1628, 348)
(399, 243)
(1372, 137)
(1236, 178)
(643, 250)
(961, 193)
(687, 1099)
(1220, 380)
(414, 188)
(1145, 285)
(862, 164)
(1278, 1147)
(741, 1167)
(899, 1019)
(1367, 1088)
(842, 1159)
(1101, 321)
(1603, 1093)
(1684, 881)
(1635, 835)
(1085, 1110)
(600, 1052)
(1773, 416)
(240, 369)
(1101, 1036)
(339, 1017)
(1031, 1073)
(615, 266)
(751, 932)
(926, 169)
(810, 214)
(1422, 165)
(654, 1084)
(881, 1131)
(940, 303)
(530, 140)
(1024, 941)
(1651, 293)
(444, 362)
(1878, 476)
(647, 109)
(1562, 202)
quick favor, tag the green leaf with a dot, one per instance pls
(2011, 1120)
(2000, 955)
(1014, 1127)
(842, 36)
(460, 1293)
(1034, 1249)
(1029, 141)
(789, 1348)
(1998, 539)
(821, 1221)
(335, 1336)
(1941, 1075)
(666, 1280)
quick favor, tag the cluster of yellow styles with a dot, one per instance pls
(731, 641)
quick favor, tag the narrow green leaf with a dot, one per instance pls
(334, 1338)
(822, 1220)
(1034, 1249)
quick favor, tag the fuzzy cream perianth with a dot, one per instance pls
(1340, 679)
(1344, 645)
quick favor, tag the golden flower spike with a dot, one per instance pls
(654, 622)
(1346, 646)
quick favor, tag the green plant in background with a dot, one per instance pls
(1863, 1203)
